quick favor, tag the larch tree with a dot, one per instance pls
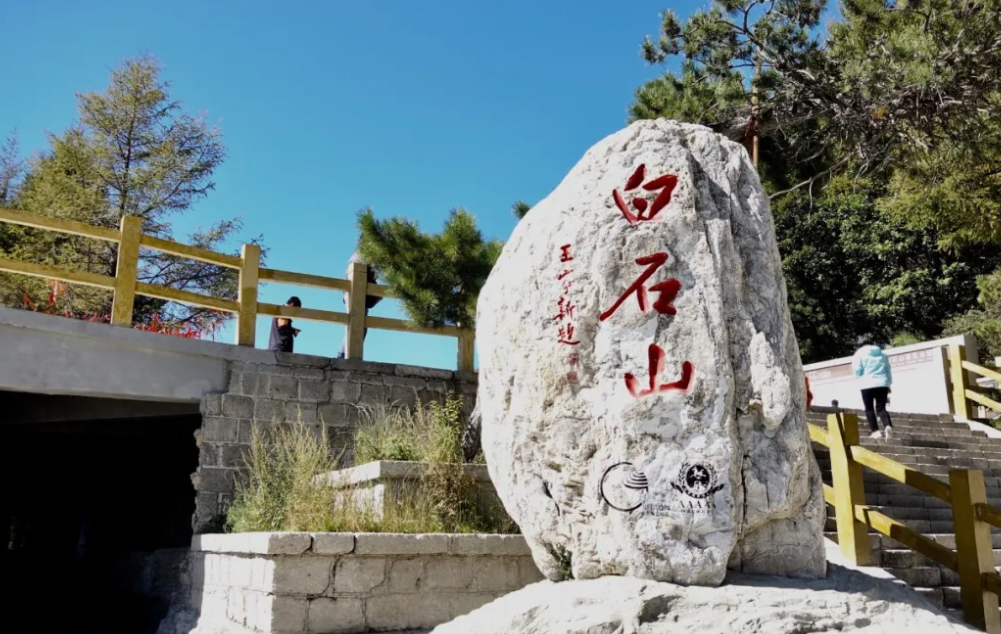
(134, 152)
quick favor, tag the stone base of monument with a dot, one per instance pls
(846, 601)
(377, 486)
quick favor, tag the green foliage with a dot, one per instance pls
(12, 170)
(280, 491)
(984, 321)
(431, 435)
(904, 339)
(426, 433)
(888, 78)
(392, 433)
(880, 147)
(851, 270)
(520, 209)
(134, 152)
(954, 190)
(436, 276)
(693, 96)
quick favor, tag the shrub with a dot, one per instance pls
(280, 491)
(431, 434)
(391, 433)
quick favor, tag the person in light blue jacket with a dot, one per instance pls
(872, 367)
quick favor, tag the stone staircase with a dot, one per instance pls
(933, 445)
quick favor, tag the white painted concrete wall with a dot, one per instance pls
(920, 378)
(48, 354)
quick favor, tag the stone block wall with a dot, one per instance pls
(323, 393)
(377, 486)
(297, 583)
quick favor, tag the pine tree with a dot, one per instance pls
(437, 277)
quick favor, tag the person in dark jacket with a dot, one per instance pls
(370, 300)
(282, 333)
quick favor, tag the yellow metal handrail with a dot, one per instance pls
(962, 390)
(124, 284)
(966, 492)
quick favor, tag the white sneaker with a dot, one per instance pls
(888, 433)
(876, 435)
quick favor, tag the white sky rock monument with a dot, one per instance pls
(642, 393)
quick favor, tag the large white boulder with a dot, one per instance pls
(640, 384)
(847, 601)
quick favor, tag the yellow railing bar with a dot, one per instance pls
(907, 536)
(59, 225)
(981, 370)
(992, 582)
(309, 314)
(304, 279)
(187, 297)
(53, 273)
(901, 473)
(989, 514)
(977, 397)
(125, 285)
(818, 434)
(195, 253)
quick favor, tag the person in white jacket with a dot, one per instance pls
(872, 367)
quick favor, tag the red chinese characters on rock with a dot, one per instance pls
(668, 289)
(565, 306)
(638, 209)
(656, 355)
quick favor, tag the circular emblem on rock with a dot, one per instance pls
(697, 480)
(623, 488)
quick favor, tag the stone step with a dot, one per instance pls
(882, 542)
(903, 514)
(906, 558)
(925, 576)
(935, 596)
(920, 462)
(903, 424)
(920, 526)
(878, 483)
(916, 500)
(945, 419)
(924, 452)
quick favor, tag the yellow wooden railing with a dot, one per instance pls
(966, 492)
(963, 392)
(125, 285)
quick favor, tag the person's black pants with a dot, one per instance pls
(874, 400)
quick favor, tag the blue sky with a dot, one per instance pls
(411, 108)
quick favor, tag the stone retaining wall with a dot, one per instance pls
(377, 486)
(319, 583)
(321, 392)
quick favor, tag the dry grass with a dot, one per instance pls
(281, 491)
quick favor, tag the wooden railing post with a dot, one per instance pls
(849, 490)
(960, 380)
(467, 349)
(246, 324)
(125, 273)
(357, 296)
(973, 550)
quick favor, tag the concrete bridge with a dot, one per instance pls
(121, 440)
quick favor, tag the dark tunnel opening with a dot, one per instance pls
(87, 487)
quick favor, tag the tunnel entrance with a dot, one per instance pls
(85, 485)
